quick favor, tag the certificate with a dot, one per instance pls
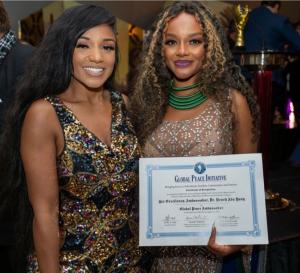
(181, 198)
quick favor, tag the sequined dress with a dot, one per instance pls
(209, 133)
(97, 183)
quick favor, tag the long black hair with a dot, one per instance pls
(4, 21)
(49, 72)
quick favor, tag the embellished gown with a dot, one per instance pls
(97, 183)
(209, 133)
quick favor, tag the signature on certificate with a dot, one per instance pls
(229, 220)
(196, 217)
(231, 217)
(169, 220)
(196, 221)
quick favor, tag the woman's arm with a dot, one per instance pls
(38, 152)
(243, 137)
(242, 143)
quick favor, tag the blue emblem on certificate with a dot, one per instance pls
(200, 168)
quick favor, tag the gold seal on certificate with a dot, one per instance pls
(182, 197)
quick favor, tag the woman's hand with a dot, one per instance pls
(221, 250)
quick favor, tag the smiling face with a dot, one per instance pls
(94, 57)
(183, 48)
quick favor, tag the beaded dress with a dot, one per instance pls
(209, 133)
(97, 183)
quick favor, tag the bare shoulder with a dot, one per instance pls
(238, 99)
(41, 114)
(243, 134)
(40, 109)
(239, 102)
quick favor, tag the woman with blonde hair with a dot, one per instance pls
(190, 99)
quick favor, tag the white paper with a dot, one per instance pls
(182, 197)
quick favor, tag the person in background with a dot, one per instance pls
(267, 30)
(70, 157)
(13, 58)
(190, 99)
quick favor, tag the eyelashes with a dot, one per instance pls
(105, 47)
(193, 42)
(109, 48)
(196, 42)
(170, 42)
(81, 46)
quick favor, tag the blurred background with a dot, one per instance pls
(31, 19)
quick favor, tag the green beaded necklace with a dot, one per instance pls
(185, 102)
(183, 88)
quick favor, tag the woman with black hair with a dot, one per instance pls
(69, 154)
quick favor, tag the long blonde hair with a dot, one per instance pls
(219, 72)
